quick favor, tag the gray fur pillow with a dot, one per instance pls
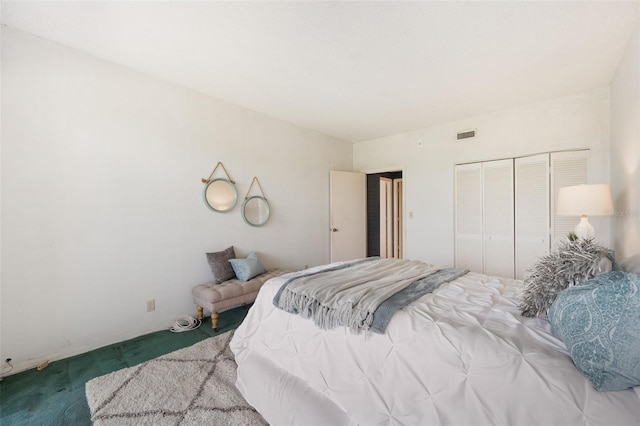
(572, 263)
(220, 266)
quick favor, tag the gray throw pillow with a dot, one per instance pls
(605, 266)
(571, 263)
(220, 266)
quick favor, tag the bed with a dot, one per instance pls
(461, 355)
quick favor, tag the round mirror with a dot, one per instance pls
(256, 210)
(220, 195)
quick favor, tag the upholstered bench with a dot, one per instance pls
(229, 294)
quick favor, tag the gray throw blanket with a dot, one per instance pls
(413, 292)
(349, 294)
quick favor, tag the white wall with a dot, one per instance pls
(574, 122)
(625, 150)
(102, 201)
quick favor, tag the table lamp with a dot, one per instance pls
(584, 201)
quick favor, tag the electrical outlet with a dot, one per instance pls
(151, 305)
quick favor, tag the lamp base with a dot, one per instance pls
(584, 229)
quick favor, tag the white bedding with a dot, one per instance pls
(462, 355)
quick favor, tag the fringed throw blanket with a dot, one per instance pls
(411, 293)
(349, 294)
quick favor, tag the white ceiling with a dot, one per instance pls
(354, 70)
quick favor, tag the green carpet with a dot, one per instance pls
(55, 395)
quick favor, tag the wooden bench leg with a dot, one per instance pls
(214, 321)
(200, 315)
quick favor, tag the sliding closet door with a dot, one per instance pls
(567, 169)
(497, 177)
(468, 217)
(531, 210)
(505, 210)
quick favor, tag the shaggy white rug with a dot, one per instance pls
(191, 386)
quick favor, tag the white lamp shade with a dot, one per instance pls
(585, 200)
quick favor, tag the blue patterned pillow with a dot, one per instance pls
(599, 321)
(248, 268)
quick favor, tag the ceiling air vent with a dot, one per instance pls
(467, 134)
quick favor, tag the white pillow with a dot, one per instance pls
(632, 264)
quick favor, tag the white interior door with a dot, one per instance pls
(347, 204)
(386, 217)
(397, 218)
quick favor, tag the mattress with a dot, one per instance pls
(462, 355)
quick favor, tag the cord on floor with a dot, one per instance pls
(3, 373)
(185, 323)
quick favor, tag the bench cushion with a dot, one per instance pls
(229, 294)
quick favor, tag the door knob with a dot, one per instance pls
(334, 229)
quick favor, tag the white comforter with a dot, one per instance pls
(462, 355)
